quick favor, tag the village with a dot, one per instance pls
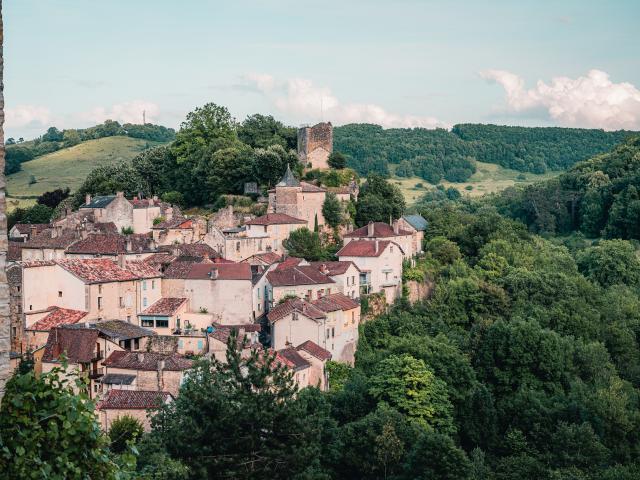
(129, 291)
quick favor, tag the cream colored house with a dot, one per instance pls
(417, 225)
(380, 265)
(235, 244)
(345, 274)
(272, 229)
(384, 232)
(139, 404)
(221, 289)
(303, 281)
(331, 322)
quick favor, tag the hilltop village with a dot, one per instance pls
(131, 290)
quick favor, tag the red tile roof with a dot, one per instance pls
(268, 258)
(174, 223)
(56, 317)
(78, 344)
(25, 228)
(275, 219)
(335, 302)
(165, 306)
(300, 275)
(199, 250)
(49, 238)
(147, 361)
(311, 188)
(380, 230)
(112, 244)
(141, 269)
(314, 349)
(225, 271)
(133, 400)
(295, 305)
(289, 262)
(97, 270)
(295, 360)
(335, 268)
(364, 248)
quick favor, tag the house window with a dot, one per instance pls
(328, 332)
(129, 318)
(320, 293)
(353, 280)
(146, 322)
(153, 284)
(144, 285)
(353, 317)
(121, 302)
(60, 293)
(259, 307)
(144, 302)
(99, 303)
(200, 344)
(99, 288)
(386, 276)
(15, 331)
(308, 295)
(237, 246)
(162, 323)
(30, 307)
(333, 332)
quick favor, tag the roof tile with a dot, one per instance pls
(133, 400)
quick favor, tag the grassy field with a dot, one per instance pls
(70, 166)
(489, 178)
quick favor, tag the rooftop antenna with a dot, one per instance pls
(144, 117)
(321, 108)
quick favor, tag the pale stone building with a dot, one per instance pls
(133, 403)
(303, 281)
(345, 274)
(272, 230)
(417, 225)
(408, 240)
(315, 144)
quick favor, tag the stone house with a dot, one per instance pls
(235, 244)
(330, 322)
(164, 316)
(49, 244)
(297, 199)
(299, 366)
(111, 245)
(139, 404)
(176, 230)
(271, 230)
(303, 281)
(381, 231)
(21, 232)
(380, 265)
(345, 274)
(220, 289)
(219, 337)
(417, 225)
(153, 371)
(37, 333)
(315, 144)
(317, 357)
(110, 208)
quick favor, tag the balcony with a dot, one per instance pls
(96, 373)
(97, 356)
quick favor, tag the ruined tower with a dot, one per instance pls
(315, 144)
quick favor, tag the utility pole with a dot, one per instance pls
(144, 117)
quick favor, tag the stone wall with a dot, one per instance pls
(319, 139)
(5, 367)
(14, 277)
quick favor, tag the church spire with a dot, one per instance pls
(288, 180)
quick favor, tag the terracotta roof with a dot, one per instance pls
(192, 250)
(122, 330)
(295, 305)
(159, 260)
(311, 188)
(300, 275)
(225, 271)
(104, 227)
(141, 269)
(314, 349)
(289, 262)
(25, 228)
(49, 238)
(294, 358)
(343, 190)
(165, 306)
(133, 400)
(275, 219)
(14, 251)
(335, 268)
(147, 361)
(364, 248)
(113, 244)
(56, 317)
(175, 222)
(146, 202)
(335, 302)
(380, 230)
(77, 344)
(97, 270)
(179, 269)
(268, 258)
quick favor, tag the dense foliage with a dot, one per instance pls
(598, 197)
(379, 201)
(437, 154)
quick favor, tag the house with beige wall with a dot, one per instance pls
(303, 281)
(139, 404)
(380, 265)
(417, 225)
(381, 231)
(345, 274)
(235, 244)
(273, 229)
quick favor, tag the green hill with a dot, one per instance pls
(70, 166)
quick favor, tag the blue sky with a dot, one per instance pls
(73, 63)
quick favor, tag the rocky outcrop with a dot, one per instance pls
(418, 291)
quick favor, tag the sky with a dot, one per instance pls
(400, 63)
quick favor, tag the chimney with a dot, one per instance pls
(370, 229)
(32, 232)
(87, 199)
(127, 244)
(154, 200)
(396, 227)
(213, 274)
(121, 262)
(324, 269)
(140, 357)
(376, 250)
(168, 214)
(120, 194)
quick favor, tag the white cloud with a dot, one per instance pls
(25, 116)
(592, 100)
(126, 112)
(301, 99)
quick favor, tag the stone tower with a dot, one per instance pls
(288, 194)
(4, 287)
(315, 144)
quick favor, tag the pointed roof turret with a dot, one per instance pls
(288, 180)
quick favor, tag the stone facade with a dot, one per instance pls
(315, 144)
(14, 278)
(5, 367)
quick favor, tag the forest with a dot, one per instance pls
(439, 153)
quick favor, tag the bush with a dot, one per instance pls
(174, 198)
(123, 430)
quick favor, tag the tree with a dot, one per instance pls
(174, 198)
(262, 131)
(110, 179)
(337, 160)
(229, 169)
(306, 244)
(436, 456)
(49, 431)
(125, 429)
(408, 385)
(71, 137)
(332, 210)
(52, 135)
(270, 164)
(53, 198)
(34, 214)
(158, 167)
(610, 262)
(378, 201)
(269, 429)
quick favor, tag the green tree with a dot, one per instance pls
(332, 210)
(610, 262)
(262, 131)
(109, 179)
(270, 164)
(407, 384)
(306, 244)
(48, 430)
(123, 430)
(158, 167)
(71, 137)
(378, 201)
(228, 169)
(337, 160)
(174, 198)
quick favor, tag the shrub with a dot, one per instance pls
(123, 430)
